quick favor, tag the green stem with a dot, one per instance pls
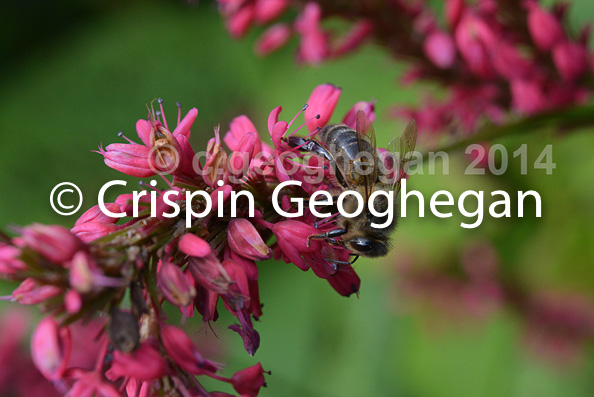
(567, 118)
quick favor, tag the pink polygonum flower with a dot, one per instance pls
(130, 272)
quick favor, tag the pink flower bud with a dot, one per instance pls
(248, 381)
(91, 231)
(240, 126)
(72, 301)
(272, 39)
(174, 284)
(31, 292)
(193, 245)
(80, 276)
(239, 162)
(509, 63)
(527, 96)
(56, 243)
(240, 21)
(475, 39)
(9, 261)
(368, 108)
(239, 297)
(439, 48)
(204, 265)
(209, 273)
(571, 60)
(266, 11)
(352, 39)
(145, 363)
(545, 29)
(184, 352)
(245, 240)
(322, 102)
(94, 214)
(313, 47)
(453, 11)
(129, 159)
(50, 348)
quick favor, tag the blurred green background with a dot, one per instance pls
(74, 73)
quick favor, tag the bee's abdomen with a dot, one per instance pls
(342, 141)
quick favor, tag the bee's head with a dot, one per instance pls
(366, 246)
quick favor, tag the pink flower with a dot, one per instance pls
(353, 39)
(9, 260)
(56, 243)
(509, 63)
(160, 152)
(204, 265)
(50, 348)
(314, 44)
(32, 292)
(239, 162)
(92, 383)
(94, 214)
(245, 240)
(239, 18)
(268, 10)
(72, 301)
(322, 102)
(194, 246)
(91, 231)
(475, 40)
(527, 96)
(440, 49)
(175, 285)
(292, 237)
(272, 39)
(571, 60)
(248, 381)
(345, 281)
(545, 29)
(240, 126)
(184, 352)
(368, 108)
(145, 363)
(130, 159)
(453, 11)
(81, 267)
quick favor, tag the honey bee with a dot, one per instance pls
(353, 156)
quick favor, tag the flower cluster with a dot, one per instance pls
(557, 326)
(492, 56)
(128, 269)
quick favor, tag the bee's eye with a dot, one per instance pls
(363, 244)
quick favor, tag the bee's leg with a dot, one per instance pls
(328, 235)
(337, 262)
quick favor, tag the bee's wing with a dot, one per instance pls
(402, 150)
(365, 129)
